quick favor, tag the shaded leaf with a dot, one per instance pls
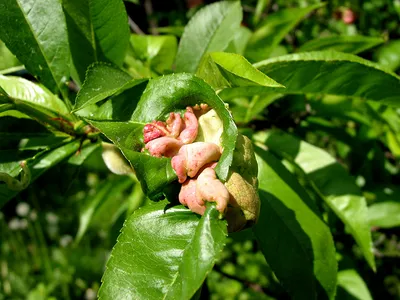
(157, 253)
(331, 181)
(330, 72)
(210, 29)
(350, 44)
(239, 41)
(157, 51)
(40, 27)
(272, 31)
(7, 59)
(37, 165)
(106, 192)
(295, 242)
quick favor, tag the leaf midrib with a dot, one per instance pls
(38, 44)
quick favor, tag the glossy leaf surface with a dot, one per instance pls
(163, 253)
(239, 72)
(40, 26)
(97, 31)
(330, 72)
(25, 90)
(348, 44)
(103, 80)
(210, 29)
(295, 242)
(332, 182)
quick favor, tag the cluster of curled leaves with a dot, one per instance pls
(193, 143)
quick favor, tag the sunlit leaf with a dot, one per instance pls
(330, 72)
(36, 33)
(157, 253)
(210, 29)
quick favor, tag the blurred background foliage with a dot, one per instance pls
(55, 237)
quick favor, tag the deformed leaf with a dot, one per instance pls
(210, 29)
(296, 243)
(36, 33)
(350, 44)
(163, 253)
(176, 92)
(332, 182)
(335, 73)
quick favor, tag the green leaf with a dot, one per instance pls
(163, 253)
(7, 59)
(37, 165)
(331, 181)
(210, 29)
(350, 44)
(27, 91)
(330, 72)
(295, 242)
(157, 51)
(352, 283)
(388, 56)
(103, 80)
(97, 31)
(106, 192)
(36, 33)
(239, 72)
(384, 214)
(272, 31)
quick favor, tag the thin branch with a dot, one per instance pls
(134, 27)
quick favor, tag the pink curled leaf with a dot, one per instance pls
(153, 131)
(191, 158)
(187, 197)
(189, 133)
(164, 146)
(210, 188)
(174, 124)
